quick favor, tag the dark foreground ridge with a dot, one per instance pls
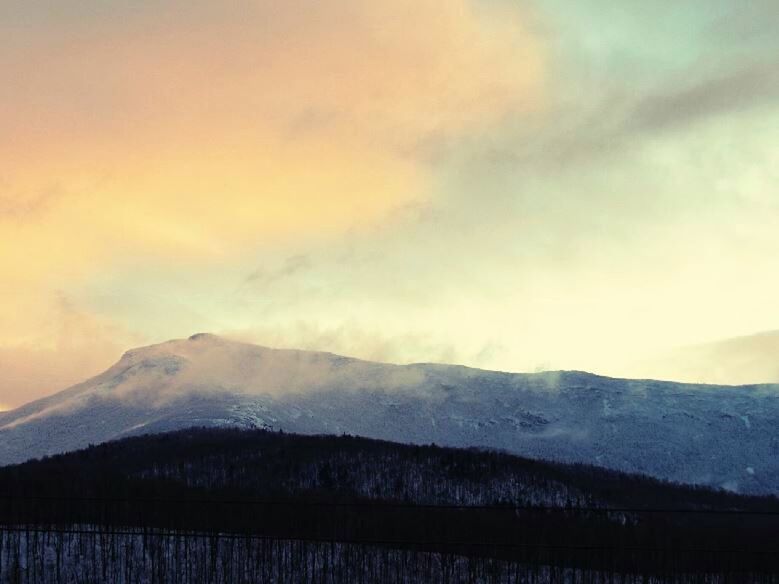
(256, 506)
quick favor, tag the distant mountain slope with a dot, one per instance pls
(710, 435)
(741, 360)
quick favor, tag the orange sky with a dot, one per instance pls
(191, 131)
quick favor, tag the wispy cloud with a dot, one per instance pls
(262, 277)
(64, 347)
(747, 86)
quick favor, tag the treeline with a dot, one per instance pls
(465, 511)
(262, 464)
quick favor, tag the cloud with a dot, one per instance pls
(752, 22)
(353, 340)
(190, 133)
(743, 88)
(738, 361)
(261, 278)
(22, 208)
(186, 129)
(472, 181)
(64, 347)
(618, 122)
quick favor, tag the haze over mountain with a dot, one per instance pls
(713, 435)
(740, 360)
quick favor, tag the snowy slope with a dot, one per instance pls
(714, 435)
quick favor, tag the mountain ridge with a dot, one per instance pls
(719, 436)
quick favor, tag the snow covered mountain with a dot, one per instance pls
(714, 435)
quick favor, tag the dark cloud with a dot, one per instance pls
(620, 122)
(741, 89)
(753, 22)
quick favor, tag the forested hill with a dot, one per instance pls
(229, 463)
(225, 505)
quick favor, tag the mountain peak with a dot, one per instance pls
(205, 337)
(197, 342)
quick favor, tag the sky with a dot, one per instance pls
(517, 185)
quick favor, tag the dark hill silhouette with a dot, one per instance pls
(480, 510)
